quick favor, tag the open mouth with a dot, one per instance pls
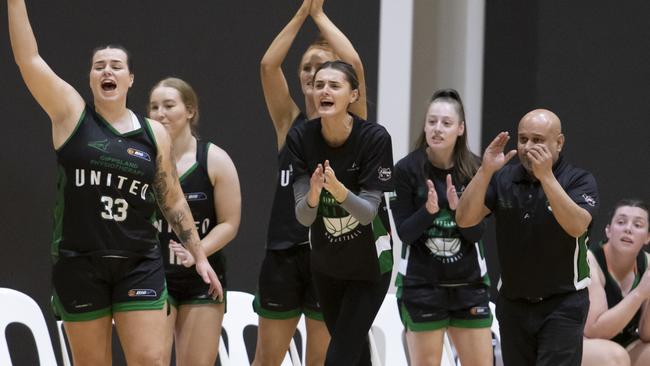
(326, 103)
(627, 240)
(108, 85)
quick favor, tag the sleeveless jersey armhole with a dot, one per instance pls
(74, 131)
(202, 153)
(149, 131)
(641, 267)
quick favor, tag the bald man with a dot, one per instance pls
(543, 208)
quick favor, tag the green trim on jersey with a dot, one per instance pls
(581, 265)
(399, 281)
(59, 312)
(382, 244)
(116, 132)
(269, 314)
(76, 127)
(637, 276)
(385, 261)
(147, 127)
(207, 153)
(175, 303)
(154, 217)
(188, 171)
(149, 131)
(59, 208)
(481, 254)
(152, 193)
(142, 305)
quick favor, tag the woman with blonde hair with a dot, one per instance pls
(209, 180)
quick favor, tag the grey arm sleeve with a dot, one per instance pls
(304, 214)
(364, 206)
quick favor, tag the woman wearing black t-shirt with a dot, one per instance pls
(285, 287)
(342, 165)
(443, 283)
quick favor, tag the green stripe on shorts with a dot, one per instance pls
(409, 324)
(175, 303)
(471, 323)
(270, 314)
(60, 312)
(314, 315)
(156, 304)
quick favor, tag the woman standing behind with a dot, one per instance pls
(617, 331)
(209, 180)
(442, 282)
(285, 287)
(343, 165)
(110, 163)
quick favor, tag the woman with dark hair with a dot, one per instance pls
(617, 331)
(113, 167)
(285, 288)
(209, 180)
(442, 282)
(342, 166)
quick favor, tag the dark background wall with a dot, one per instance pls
(588, 62)
(585, 60)
(214, 45)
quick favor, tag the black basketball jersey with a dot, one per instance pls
(105, 201)
(436, 250)
(341, 246)
(199, 193)
(530, 240)
(284, 230)
(614, 295)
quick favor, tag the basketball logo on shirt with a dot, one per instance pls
(444, 247)
(442, 241)
(340, 226)
(337, 226)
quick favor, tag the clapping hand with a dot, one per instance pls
(452, 196)
(332, 184)
(432, 198)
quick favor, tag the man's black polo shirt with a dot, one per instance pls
(538, 258)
